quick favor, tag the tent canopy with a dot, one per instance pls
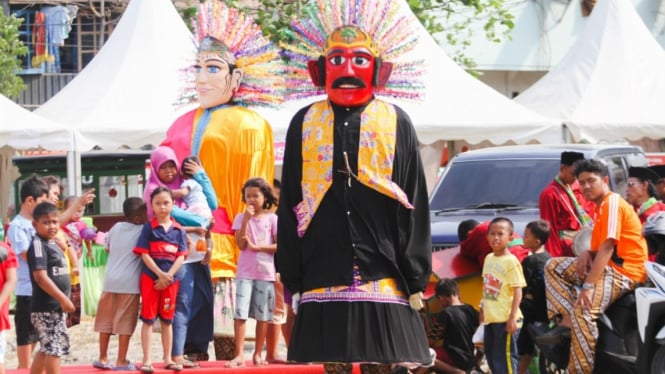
(127, 94)
(457, 106)
(21, 129)
(610, 86)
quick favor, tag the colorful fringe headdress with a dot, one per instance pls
(263, 70)
(393, 32)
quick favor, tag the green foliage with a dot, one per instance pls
(274, 16)
(449, 18)
(11, 48)
(452, 18)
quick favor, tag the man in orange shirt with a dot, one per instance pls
(612, 266)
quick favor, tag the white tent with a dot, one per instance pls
(457, 106)
(126, 95)
(611, 84)
(21, 129)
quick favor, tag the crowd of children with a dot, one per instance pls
(146, 253)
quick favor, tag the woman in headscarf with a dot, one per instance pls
(193, 319)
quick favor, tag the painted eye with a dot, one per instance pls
(197, 69)
(360, 60)
(214, 69)
(337, 60)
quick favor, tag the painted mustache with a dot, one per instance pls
(337, 83)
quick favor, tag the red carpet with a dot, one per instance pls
(206, 367)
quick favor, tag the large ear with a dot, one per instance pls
(384, 73)
(236, 78)
(317, 71)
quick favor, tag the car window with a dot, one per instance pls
(510, 182)
(618, 175)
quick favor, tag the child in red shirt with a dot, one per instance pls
(162, 246)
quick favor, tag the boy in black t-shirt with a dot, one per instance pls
(49, 275)
(534, 304)
(452, 330)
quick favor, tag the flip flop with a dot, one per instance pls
(234, 364)
(147, 369)
(259, 362)
(187, 364)
(128, 367)
(102, 365)
(173, 366)
(276, 360)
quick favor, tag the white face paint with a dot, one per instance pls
(215, 83)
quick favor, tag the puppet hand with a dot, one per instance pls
(295, 301)
(416, 301)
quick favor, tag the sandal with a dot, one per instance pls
(129, 367)
(187, 364)
(234, 364)
(147, 369)
(173, 366)
(102, 365)
(276, 360)
(258, 361)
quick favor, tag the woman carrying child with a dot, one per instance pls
(193, 319)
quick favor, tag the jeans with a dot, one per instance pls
(193, 319)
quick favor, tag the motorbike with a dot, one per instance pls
(631, 332)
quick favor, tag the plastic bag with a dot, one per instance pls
(479, 336)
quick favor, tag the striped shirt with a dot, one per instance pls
(616, 219)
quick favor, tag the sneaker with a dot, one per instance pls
(553, 336)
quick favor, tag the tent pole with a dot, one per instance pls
(565, 134)
(74, 173)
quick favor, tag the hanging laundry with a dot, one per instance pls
(39, 41)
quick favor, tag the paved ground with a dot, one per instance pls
(85, 347)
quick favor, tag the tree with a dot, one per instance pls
(452, 19)
(11, 48)
(449, 18)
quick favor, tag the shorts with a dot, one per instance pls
(157, 303)
(52, 330)
(25, 332)
(117, 313)
(3, 346)
(525, 344)
(255, 299)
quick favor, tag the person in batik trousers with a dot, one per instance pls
(354, 243)
(612, 266)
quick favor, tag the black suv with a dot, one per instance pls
(507, 181)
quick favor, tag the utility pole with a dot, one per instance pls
(102, 26)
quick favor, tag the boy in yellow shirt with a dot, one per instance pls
(503, 281)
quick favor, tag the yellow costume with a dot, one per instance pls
(235, 145)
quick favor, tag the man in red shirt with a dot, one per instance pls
(564, 207)
(474, 243)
